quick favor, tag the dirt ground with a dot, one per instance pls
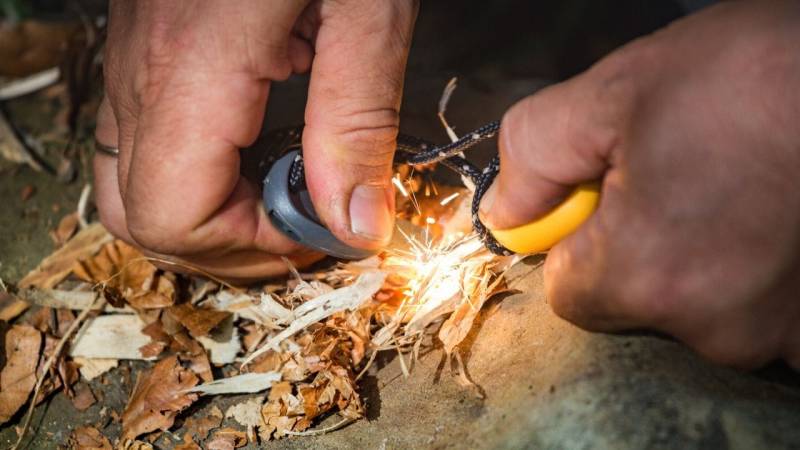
(547, 384)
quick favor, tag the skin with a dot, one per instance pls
(694, 133)
(186, 86)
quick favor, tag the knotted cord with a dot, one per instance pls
(415, 151)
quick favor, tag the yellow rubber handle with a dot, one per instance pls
(545, 232)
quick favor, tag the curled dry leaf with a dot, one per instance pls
(125, 272)
(158, 397)
(293, 408)
(23, 345)
(88, 438)
(53, 269)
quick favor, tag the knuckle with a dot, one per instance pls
(369, 138)
(156, 233)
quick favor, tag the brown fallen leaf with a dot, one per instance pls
(227, 439)
(133, 444)
(11, 307)
(188, 443)
(18, 377)
(65, 229)
(30, 46)
(53, 269)
(83, 398)
(198, 321)
(126, 273)
(200, 427)
(159, 395)
(88, 438)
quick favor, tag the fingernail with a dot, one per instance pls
(488, 200)
(370, 217)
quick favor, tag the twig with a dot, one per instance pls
(443, 101)
(30, 84)
(367, 366)
(333, 427)
(46, 368)
(83, 203)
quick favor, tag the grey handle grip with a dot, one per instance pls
(294, 215)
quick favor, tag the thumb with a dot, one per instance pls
(550, 142)
(352, 115)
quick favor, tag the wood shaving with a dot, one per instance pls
(247, 383)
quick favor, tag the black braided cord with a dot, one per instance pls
(415, 151)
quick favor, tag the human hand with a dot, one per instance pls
(694, 133)
(186, 87)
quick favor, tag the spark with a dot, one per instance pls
(430, 220)
(449, 198)
(399, 185)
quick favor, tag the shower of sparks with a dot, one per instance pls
(440, 275)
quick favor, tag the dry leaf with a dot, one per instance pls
(65, 229)
(10, 307)
(159, 395)
(88, 438)
(83, 398)
(227, 439)
(188, 443)
(30, 46)
(201, 427)
(125, 272)
(198, 321)
(18, 377)
(58, 265)
(133, 444)
(247, 413)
